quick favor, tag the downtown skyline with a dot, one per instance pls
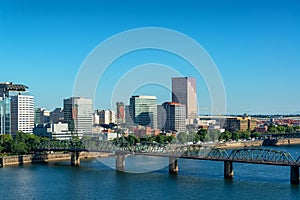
(255, 45)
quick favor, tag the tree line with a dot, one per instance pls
(22, 143)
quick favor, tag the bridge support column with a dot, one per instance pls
(173, 165)
(120, 162)
(294, 175)
(2, 162)
(228, 170)
(75, 158)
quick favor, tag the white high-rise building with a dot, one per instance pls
(22, 113)
(184, 92)
(78, 113)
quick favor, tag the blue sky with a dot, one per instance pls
(255, 45)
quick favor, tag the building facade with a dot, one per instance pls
(233, 124)
(143, 110)
(175, 117)
(106, 116)
(120, 113)
(184, 92)
(161, 117)
(78, 113)
(22, 114)
(57, 115)
(17, 108)
(4, 115)
(128, 117)
(41, 116)
(58, 131)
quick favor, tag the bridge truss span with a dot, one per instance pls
(261, 156)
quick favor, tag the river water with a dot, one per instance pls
(195, 180)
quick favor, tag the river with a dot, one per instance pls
(195, 180)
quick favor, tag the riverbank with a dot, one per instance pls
(229, 145)
(42, 158)
(258, 143)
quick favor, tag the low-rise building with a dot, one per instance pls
(58, 131)
(245, 123)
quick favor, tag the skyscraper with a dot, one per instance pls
(128, 116)
(4, 115)
(184, 92)
(161, 117)
(78, 113)
(120, 113)
(106, 116)
(175, 117)
(16, 108)
(22, 114)
(143, 110)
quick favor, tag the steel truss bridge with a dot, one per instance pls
(173, 151)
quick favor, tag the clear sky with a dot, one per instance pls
(255, 45)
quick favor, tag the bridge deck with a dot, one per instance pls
(177, 155)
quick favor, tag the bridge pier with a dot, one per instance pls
(173, 165)
(75, 158)
(120, 162)
(228, 170)
(294, 175)
(2, 162)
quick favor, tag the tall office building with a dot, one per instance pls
(16, 108)
(128, 117)
(57, 115)
(106, 116)
(120, 113)
(4, 115)
(175, 117)
(22, 114)
(184, 92)
(143, 110)
(161, 117)
(78, 113)
(41, 116)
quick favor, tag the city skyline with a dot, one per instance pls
(255, 46)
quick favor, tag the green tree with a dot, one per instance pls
(255, 134)
(202, 133)
(19, 148)
(132, 139)
(281, 129)
(213, 135)
(182, 137)
(272, 129)
(32, 142)
(226, 136)
(6, 141)
(290, 129)
(235, 135)
(245, 134)
(21, 136)
(171, 139)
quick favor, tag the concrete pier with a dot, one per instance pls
(228, 170)
(120, 162)
(294, 175)
(75, 158)
(2, 162)
(173, 165)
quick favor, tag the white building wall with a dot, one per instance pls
(22, 114)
